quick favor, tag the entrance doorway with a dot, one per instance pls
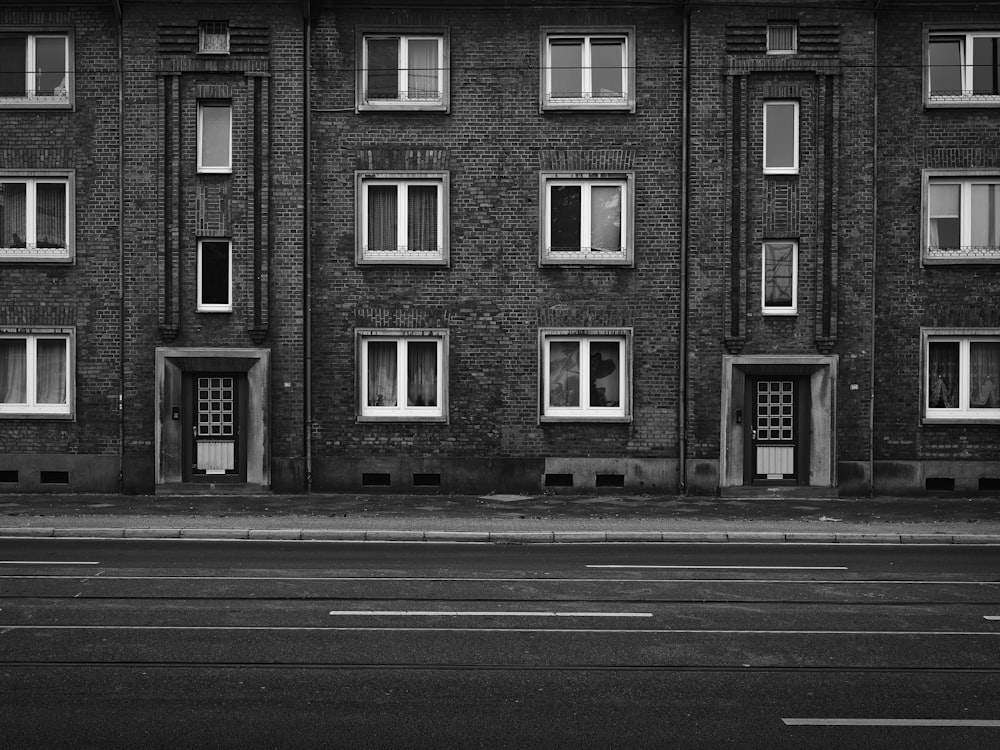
(215, 447)
(777, 435)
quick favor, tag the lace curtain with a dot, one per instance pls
(984, 375)
(13, 214)
(421, 375)
(381, 373)
(421, 209)
(382, 218)
(50, 380)
(13, 371)
(422, 73)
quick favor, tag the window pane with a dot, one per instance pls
(13, 371)
(51, 386)
(945, 225)
(945, 63)
(564, 373)
(50, 66)
(984, 375)
(215, 273)
(779, 145)
(942, 375)
(778, 267)
(215, 136)
(984, 65)
(566, 61)
(607, 64)
(382, 218)
(13, 67)
(564, 226)
(422, 212)
(421, 373)
(382, 373)
(781, 38)
(983, 221)
(383, 68)
(50, 229)
(605, 373)
(422, 78)
(13, 214)
(606, 217)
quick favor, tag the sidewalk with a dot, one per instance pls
(507, 518)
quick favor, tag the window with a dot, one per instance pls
(963, 68)
(213, 37)
(582, 70)
(402, 217)
(961, 375)
(215, 137)
(215, 276)
(35, 372)
(585, 375)
(403, 375)
(586, 219)
(35, 69)
(779, 274)
(962, 218)
(403, 71)
(35, 216)
(782, 38)
(781, 137)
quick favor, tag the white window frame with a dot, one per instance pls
(765, 308)
(403, 102)
(402, 412)
(587, 100)
(585, 412)
(403, 180)
(963, 412)
(965, 253)
(209, 31)
(31, 252)
(586, 180)
(966, 98)
(63, 99)
(774, 26)
(213, 168)
(209, 307)
(30, 408)
(784, 169)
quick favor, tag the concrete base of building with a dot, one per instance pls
(58, 472)
(933, 477)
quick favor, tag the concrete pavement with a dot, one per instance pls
(495, 518)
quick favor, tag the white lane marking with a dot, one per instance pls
(461, 613)
(893, 722)
(725, 567)
(630, 631)
(47, 562)
(991, 617)
(434, 579)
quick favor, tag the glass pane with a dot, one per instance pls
(215, 136)
(606, 58)
(983, 221)
(945, 67)
(421, 373)
(564, 225)
(422, 212)
(781, 38)
(564, 373)
(566, 61)
(984, 65)
(942, 375)
(13, 371)
(606, 217)
(383, 69)
(382, 373)
(779, 144)
(13, 65)
(605, 373)
(382, 218)
(422, 78)
(984, 375)
(945, 225)
(50, 66)
(13, 214)
(778, 266)
(50, 228)
(215, 273)
(51, 387)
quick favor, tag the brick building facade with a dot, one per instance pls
(520, 247)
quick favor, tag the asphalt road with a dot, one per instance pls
(121, 643)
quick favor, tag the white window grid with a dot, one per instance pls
(402, 253)
(31, 251)
(203, 133)
(226, 306)
(31, 406)
(964, 409)
(216, 407)
(586, 411)
(793, 167)
(587, 95)
(790, 309)
(32, 96)
(966, 250)
(213, 37)
(404, 97)
(966, 42)
(586, 253)
(401, 410)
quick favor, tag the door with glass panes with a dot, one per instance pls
(215, 407)
(776, 434)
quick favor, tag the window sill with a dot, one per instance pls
(965, 102)
(960, 260)
(7, 256)
(402, 261)
(403, 418)
(63, 417)
(779, 313)
(571, 259)
(404, 107)
(626, 107)
(963, 420)
(551, 419)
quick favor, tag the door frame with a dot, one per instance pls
(189, 421)
(800, 438)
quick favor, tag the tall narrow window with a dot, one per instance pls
(403, 71)
(35, 69)
(215, 276)
(402, 375)
(962, 376)
(35, 373)
(35, 216)
(402, 218)
(963, 67)
(962, 218)
(587, 70)
(779, 274)
(215, 135)
(781, 137)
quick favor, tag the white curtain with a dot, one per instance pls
(382, 218)
(984, 375)
(421, 376)
(606, 218)
(13, 214)
(422, 213)
(942, 371)
(51, 369)
(382, 373)
(13, 371)
(985, 208)
(50, 228)
(422, 65)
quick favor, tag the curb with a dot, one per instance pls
(499, 537)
